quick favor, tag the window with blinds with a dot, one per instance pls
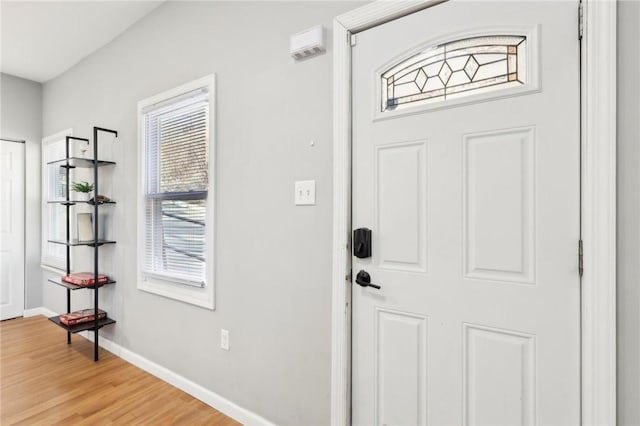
(176, 187)
(53, 189)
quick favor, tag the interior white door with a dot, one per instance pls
(11, 229)
(466, 169)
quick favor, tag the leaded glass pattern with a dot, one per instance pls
(455, 69)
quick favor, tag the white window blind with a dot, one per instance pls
(176, 188)
(53, 189)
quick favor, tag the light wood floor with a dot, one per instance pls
(44, 381)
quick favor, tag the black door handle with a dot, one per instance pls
(364, 279)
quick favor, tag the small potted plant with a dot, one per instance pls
(84, 188)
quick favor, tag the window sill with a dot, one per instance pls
(54, 269)
(198, 296)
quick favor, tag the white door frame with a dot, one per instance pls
(598, 175)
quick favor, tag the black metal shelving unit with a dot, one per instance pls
(69, 163)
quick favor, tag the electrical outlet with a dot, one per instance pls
(224, 339)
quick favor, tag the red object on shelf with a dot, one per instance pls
(84, 315)
(84, 278)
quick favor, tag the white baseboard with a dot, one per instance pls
(38, 311)
(210, 398)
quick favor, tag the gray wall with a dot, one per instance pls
(21, 118)
(628, 213)
(273, 276)
(273, 259)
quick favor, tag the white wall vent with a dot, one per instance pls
(307, 43)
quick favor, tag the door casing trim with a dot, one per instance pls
(598, 322)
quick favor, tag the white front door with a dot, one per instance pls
(11, 229)
(466, 170)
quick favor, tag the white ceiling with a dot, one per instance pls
(42, 39)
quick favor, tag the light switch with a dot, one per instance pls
(305, 193)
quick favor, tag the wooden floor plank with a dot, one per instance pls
(44, 381)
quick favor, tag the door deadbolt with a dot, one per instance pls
(362, 243)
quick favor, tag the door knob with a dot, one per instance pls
(364, 279)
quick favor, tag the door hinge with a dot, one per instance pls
(580, 259)
(351, 39)
(580, 21)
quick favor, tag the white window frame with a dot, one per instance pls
(48, 260)
(165, 285)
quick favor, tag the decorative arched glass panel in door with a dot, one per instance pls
(455, 69)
